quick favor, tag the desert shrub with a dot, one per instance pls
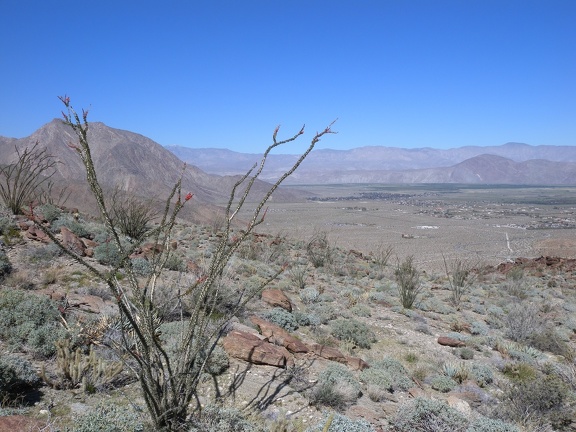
(131, 215)
(29, 321)
(428, 415)
(49, 211)
(522, 321)
(309, 295)
(42, 254)
(485, 424)
(340, 423)
(141, 266)
(319, 250)
(73, 225)
(520, 372)
(107, 254)
(336, 387)
(482, 374)
(337, 373)
(217, 418)
(16, 375)
(108, 417)
(408, 280)
(361, 310)
(174, 263)
(353, 330)
(543, 398)
(515, 283)
(398, 372)
(458, 273)
(379, 378)
(218, 362)
(281, 318)
(9, 230)
(442, 383)
(466, 353)
(549, 340)
(327, 395)
(306, 319)
(5, 265)
(387, 374)
(479, 328)
(298, 275)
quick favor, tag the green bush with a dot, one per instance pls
(16, 375)
(319, 250)
(485, 424)
(309, 295)
(141, 266)
(174, 263)
(353, 330)
(73, 225)
(49, 211)
(108, 418)
(387, 374)
(107, 254)
(30, 322)
(281, 318)
(442, 383)
(543, 397)
(380, 378)
(217, 418)
(466, 353)
(408, 280)
(482, 374)
(522, 321)
(327, 395)
(5, 265)
(428, 415)
(336, 387)
(341, 423)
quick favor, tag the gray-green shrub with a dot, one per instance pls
(281, 318)
(353, 330)
(485, 424)
(5, 265)
(108, 418)
(341, 423)
(16, 375)
(222, 419)
(428, 415)
(29, 322)
(442, 383)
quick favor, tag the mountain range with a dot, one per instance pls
(511, 163)
(140, 166)
(128, 161)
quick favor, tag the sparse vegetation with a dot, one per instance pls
(516, 365)
(408, 280)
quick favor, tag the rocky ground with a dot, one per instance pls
(330, 334)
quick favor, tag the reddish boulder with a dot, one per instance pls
(35, 233)
(328, 353)
(451, 342)
(356, 363)
(279, 336)
(72, 241)
(277, 298)
(250, 348)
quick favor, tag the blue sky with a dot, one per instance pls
(402, 73)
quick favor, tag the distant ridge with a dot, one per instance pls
(525, 164)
